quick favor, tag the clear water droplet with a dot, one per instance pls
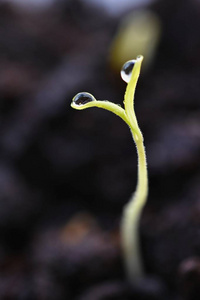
(127, 69)
(83, 98)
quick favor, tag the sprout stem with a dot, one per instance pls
(131, 216)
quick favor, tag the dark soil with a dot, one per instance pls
(65, 175)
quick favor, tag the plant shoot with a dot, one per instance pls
(132, 211)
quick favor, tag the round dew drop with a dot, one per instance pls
(127, 69)
(83, 98)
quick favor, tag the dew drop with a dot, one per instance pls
(83, 98)
(127, 69)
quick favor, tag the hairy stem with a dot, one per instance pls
(131, 216)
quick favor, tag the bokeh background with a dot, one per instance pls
(65, 175)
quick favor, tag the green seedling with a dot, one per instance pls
(132, 211)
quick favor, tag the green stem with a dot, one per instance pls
(131, 216)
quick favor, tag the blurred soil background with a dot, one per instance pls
(65, 175)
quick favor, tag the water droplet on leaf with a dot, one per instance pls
(127, 69)
(83, 98)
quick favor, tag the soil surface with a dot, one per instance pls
(65, 175)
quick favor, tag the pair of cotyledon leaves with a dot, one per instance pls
(129, 73)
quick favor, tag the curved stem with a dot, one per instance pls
(131, 216)
(107, 105)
